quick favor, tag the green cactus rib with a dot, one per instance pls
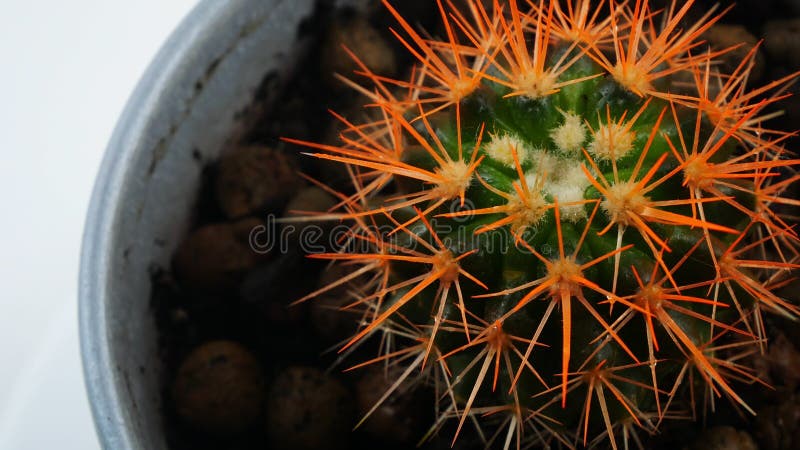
(511, 265)
(564, 245)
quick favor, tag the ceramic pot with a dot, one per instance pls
(181, 115)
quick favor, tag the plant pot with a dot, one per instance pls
(195, 100)
(182, 113)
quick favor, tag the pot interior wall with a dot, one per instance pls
(181, 116)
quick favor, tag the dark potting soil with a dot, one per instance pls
(249, 303)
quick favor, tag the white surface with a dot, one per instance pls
(67, 69)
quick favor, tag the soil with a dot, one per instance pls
(220, 290)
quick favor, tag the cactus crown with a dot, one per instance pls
(566, 218)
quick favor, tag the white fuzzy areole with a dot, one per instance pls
(455, 179)
(569, 136)
(569, 187)
(544, 163)
(563, 179)
(527, 213)
(500, 149)
(536, 85)
(611, 142)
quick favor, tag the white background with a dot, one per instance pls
(66, 69)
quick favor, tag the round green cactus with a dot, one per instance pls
(566, 218)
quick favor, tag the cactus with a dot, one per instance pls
(566, 219)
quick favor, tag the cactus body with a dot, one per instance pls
(566, 218)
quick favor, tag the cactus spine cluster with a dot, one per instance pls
(566, 218)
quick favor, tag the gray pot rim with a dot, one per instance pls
(99, 233)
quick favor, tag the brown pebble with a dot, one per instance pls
(219, 388)
(308, 410)
(305, 203)
(332, 174)
(253, 178)
(725, 438)
(213, 258)
(336, 272)
(722, 36)
(782, 41)
(395, 419)
(327, 317)
(364, 41)
(273, 286)
(778, 426)
(331, 320)
(784, 361)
